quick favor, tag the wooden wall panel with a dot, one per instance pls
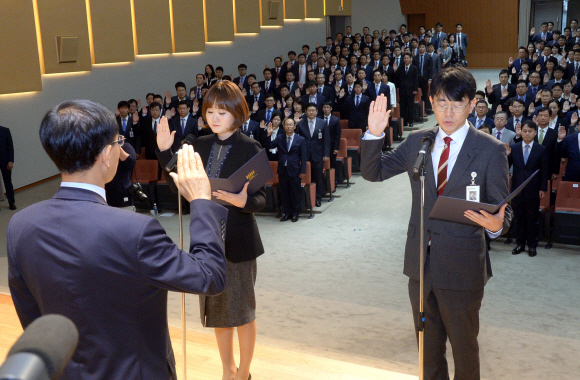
(247, 13)
(314, 8)
(19, 58)
(112, 30)
(481, 22)
(152, 26)
(64, 18)
(219, 20)
(188, 25)
(294, 9)
(332, 7)
(279, 21)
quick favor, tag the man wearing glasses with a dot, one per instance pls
(457, 262)
(107, 269)
(117, 191)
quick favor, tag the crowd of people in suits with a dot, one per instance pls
(341, 77)
(534, 110)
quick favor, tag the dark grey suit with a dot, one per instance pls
(457, 265)
(109, 271)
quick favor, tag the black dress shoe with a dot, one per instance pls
(285, 218)
(295, 218)
(12, 206)
(518, 249)
(318, 203)
(532, 252)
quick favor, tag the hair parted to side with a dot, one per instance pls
(75, 132)
(226, 95)
(455, 83)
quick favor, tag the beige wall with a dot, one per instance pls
(152, 26)
(247, 16)
(19, 61)
(188, 25)
(219, 19)
(294, 9)
(332, 7)
(112, 31)
(266, 21)
(314, 8)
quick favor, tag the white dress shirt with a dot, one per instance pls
(393, 90)
(86, 186)
(153, 125)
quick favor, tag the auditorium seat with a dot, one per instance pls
(567, 213)
(146, 173)
(352, 137)
(419, 109)
(343, 124)
(337, 114)
(343, 163)
(398, 122)
(309, 198)
(272, 189)
(329, 179)
(142, 154)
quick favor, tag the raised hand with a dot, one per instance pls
(574, 118)
(365, 86)
(538, 66)
(244, 92)
(378, 118)
(510, 61)
(514, 71)
(117, 113)
(488, 86)
(572, 98)
(200, 123)
(331, 78)
(144, 111)
(167, 97)
(270, 129)
(308, 68)
(566, 106)
(287, 112)
(533, 31)
(278, 105)
(165, 138)
(266, 67)
(519, 130)
(538, 96)
(504, 93)
(499, 108)
(135, 117)
(546, 78)
(255, 107)
(318, 44)
(297, 93)
(277, 82)
(297, 118)
(341, 93)
(289, 65)
(191, 178)
(300, 85)
(561, 132)
(508, 149)
(535, 119)
(262, 124)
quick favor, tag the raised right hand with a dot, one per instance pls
(191, 178)
(508, 149)
(164, 137)
(561, 132)
(519, 130)
(378, 116)
(574, 118)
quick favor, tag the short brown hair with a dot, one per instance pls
(227, 95)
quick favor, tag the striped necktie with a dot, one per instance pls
(442, 170)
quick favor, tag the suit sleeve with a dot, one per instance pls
(416, 81)
(24, 303)
(202, 270)
(377, 167)
(326, 140)
(544, 171)
(256, 201)
(303, 157)
(337, 134)
(9, 146)
(496, 180)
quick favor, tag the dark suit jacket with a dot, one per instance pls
(320, 99)
(528, 100)
(175, 125)
(510, 123)
(109, 271)
(329, 93)
(383, 89)
(427, 66)
(335, 131)
(495, 97)
(538, 159)
(292, 161)
(243, 242)
(194, 89)
(319, 143)
(538, 37)
(6, 146)
(132, 132)
(254, 130)
(459, 256)
(488, 120)
(407, 82)
(175, 102)
(251, 99)
(116, 190)
(261, 115)
(568, 148)
(358, 116)
(271, 89)
(149, 139)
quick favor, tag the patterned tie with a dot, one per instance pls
(155, 127)
(526, 154)
(442, 170)
(499, 136)
(541, 138)
(245, 127)
(268, 115)
(516, 122)
(479, 122)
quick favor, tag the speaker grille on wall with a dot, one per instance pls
(273, 7)
(67, 48)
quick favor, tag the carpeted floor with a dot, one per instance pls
(334, 286)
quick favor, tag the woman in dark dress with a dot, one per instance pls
(222, 154)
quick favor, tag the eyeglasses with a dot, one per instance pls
(120, 141)
(442, 108)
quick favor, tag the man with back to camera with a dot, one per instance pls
(107, 269)
(7, 163)
(457, 264)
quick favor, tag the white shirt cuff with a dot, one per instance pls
(493, 235)
(368, 136)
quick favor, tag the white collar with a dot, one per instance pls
(86, 186)
(458, 136)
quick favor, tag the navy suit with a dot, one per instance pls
(320, 99)
(538, 37)
(6, 156)
(568, 148)
(495, 98)
(335, 130)
(109, 271)
(291, 163)
(383, 89)
(527, 204)
(116, 190)
(271, 88)
(251, 99)
(132, 132)
(488, 120)
(318, 147)
(357, 115)
(175, 102)
(511, 123)
(180, 135)
(252, 130)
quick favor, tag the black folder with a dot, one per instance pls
(452, 209)
(257, 171)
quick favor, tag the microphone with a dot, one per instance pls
(190, 139)
(426, 143)
(42, 351)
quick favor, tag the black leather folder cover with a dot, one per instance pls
(452, 209)
(257, 171)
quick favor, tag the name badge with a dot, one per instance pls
(126, 199)
(319, 134)
(472, 191)
(131, 133)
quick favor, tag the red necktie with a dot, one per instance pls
(442, 170)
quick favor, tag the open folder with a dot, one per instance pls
(452, 209)
(257, 171)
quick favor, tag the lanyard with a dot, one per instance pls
(217, 174)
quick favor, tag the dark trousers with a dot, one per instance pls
(407, 102)
(453, 314)
(317, 172)
(291, 193)
(332, 161)
(424, 85)
(7, 177)
(527, 218)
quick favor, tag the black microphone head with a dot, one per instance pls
(190, 140)
(430, 135)
(51, 337)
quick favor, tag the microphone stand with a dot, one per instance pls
(421, 319)
(183, 332)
